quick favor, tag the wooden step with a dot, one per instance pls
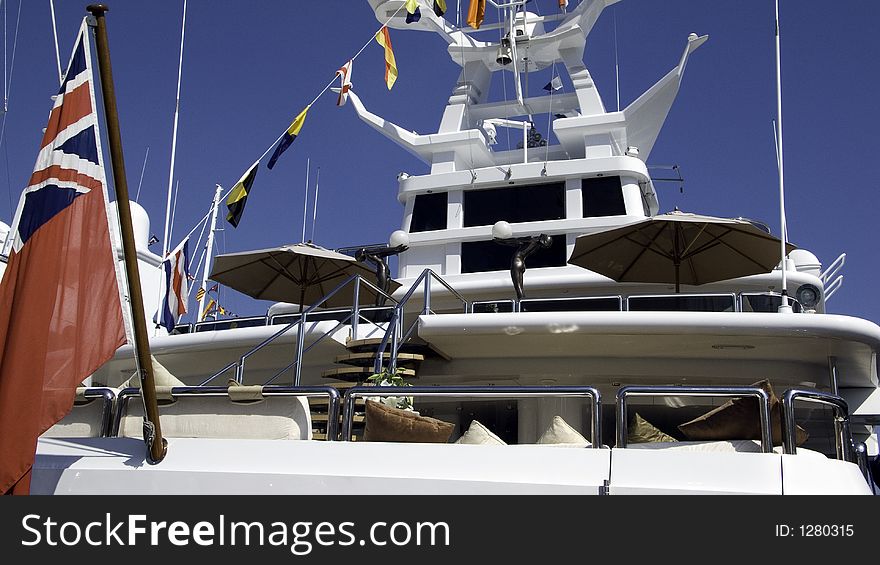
(357, 418)
(360, 374)
(413, 345)
(366, 359)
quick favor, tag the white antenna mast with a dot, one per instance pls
(315, 205)
(616, 66)
(55, 35)
(166, 243)
(209, 250)
(785, 306)
(306, 200)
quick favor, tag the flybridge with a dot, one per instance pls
(580, 122)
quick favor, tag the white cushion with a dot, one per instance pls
(478, 434)
(561, 434)
(217, 417)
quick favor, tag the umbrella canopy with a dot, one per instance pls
(302, 273)
(679, 248)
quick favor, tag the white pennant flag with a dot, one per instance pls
(345, 73)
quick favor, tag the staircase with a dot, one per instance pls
(355, 367)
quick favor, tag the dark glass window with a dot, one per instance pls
(429, 212)
(681, 303)
(602, 196)
(514, 204)
(602, 304)
(479, 256)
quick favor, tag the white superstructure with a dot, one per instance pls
(579, 346)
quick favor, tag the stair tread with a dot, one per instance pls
(366, 358)
(345, 372)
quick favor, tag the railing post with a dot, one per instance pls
(300, 345)
(239, 371)
(333, 415)
(355, 308)
(832, 370)
(427, 293)
(395, 329)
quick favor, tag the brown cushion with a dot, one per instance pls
(643, 431)
(384, 423)
(739, 419)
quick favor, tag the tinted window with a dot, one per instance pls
(514, 204)
(479, 256)
(683, 303)
(609, 304)
(602, 196)
(429, 212)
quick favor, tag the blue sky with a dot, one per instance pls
(249, 68)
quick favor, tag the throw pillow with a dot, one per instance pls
(561, 433)
(385, 423)
(478, 434)
(643, 431)
(739, 419)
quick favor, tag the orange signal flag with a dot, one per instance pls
(384, 39)
(476, 12)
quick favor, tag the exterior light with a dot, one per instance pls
(502, 230)
(399, 238)
(808, 295)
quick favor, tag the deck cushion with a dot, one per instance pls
(739, 419)
(478, 434)
(643, 431)
(560, 433)
(385, 423)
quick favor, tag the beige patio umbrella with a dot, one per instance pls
(680, 248)
(302, 273)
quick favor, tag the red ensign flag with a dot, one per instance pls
(60, 314)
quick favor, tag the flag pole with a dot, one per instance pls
(152, 431)
(209, 251)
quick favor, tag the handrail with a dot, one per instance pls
(667, 390)
(477, 392)
(275, 390)
(239, 364)
(108, 395)
(842, 435)
(394, 331)
(832, 287)
(832, 269)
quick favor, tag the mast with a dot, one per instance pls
(209, 250)
(156, 445)
(785, 306)
(166, 243)
(55, 36)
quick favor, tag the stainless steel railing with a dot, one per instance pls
(763, 399)
(842, 432)
(473, 392)
(356, 281)
(396, 334)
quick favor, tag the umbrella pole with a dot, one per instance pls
(677, 285)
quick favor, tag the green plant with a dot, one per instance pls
(387, 378)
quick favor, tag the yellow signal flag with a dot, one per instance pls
(384, 39)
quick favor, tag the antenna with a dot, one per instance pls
(785, 306)
(616, 66)
(55, 35)
(166, 242)
(306, 199)
(140, 182)
(315, 205)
